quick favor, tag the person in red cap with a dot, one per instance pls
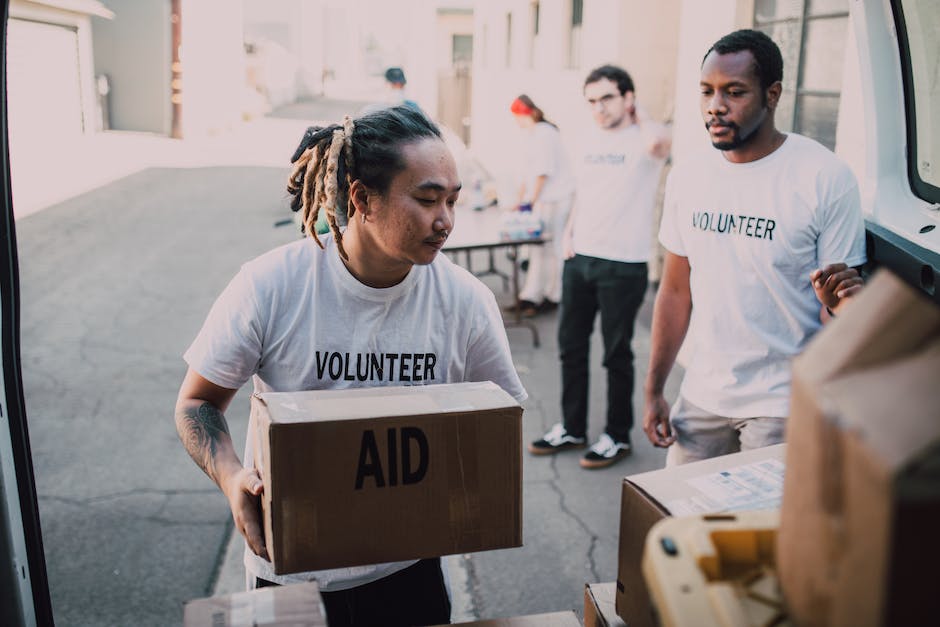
(547, 188)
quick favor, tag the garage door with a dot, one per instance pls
(43, 89)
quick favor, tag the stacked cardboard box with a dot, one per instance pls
(741, 481)
(365, 476)
(599, 610)
(859, 540)
(297, 605)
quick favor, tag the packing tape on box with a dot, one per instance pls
(252, 608)
(464, 480)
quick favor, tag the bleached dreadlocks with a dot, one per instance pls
(330, 158)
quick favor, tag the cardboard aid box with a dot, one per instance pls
(296, 605)
(859, 540)
(365, 476)
(749, 480)
(599, 605)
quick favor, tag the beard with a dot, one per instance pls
(739, 138)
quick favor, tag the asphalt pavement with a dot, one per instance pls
(121, 254)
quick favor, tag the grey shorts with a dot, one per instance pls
(701, 434)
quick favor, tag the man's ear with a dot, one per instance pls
(360, 197)
(629, 103)
(773, 95)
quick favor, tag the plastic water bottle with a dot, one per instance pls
(512, 226)
(477, 199)
(530, 224)
(519, 225)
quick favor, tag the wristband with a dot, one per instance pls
(830, 312)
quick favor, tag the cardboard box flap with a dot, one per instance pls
(358, 403)
(599, 609)
(887, 320)
(756, 482)
(895, 409)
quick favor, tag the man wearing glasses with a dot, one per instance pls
(607, 244)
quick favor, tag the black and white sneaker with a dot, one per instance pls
(547, 306)
(605, 452)
(557, 439)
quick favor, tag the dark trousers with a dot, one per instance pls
(413, 596)
(616, 289)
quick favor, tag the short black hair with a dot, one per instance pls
(395, 75)
(612, 73)
(768, 62)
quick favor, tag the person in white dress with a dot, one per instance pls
(546, 189)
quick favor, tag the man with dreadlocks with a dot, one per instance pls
(376, 292)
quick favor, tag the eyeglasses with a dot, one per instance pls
(604, 100)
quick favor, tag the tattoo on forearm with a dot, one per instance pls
(200, 429)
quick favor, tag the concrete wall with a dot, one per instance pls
(213, 66)
(85, 98)
(352, 42)
(300, 27)
(448, 25)
(134, 51)
(641, 37)
(700, 25)
(421, 53)
(364, 37)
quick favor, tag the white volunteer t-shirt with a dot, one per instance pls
(617, 180)
(295, 319)
(544, 155)
(753, 232)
